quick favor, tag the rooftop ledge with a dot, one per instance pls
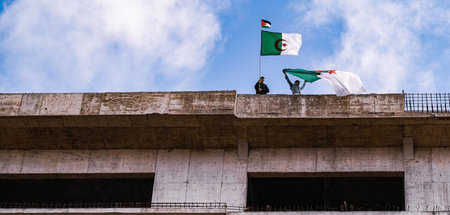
(218, 119)
(204, 103)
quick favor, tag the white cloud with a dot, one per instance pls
(382, 41)
(102, 45)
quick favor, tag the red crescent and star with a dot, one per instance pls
(283, 45)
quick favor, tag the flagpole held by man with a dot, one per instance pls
(260, 87)
(273, 43)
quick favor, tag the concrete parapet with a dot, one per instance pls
(291, 106)
(72, 104)
(213, 102)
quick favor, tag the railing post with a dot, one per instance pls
(431, 103)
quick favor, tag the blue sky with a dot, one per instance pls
(171, 45)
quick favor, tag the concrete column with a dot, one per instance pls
(440, 157)
(418, 183)
(205, 175)
(171, 176)
(234, 180)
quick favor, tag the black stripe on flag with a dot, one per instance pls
(266, 21)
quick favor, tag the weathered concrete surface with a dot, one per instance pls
(215, 131)
(77, 161)
(212, 102)
(288, 106)
(30, 104)
(10, 104)
(61, 104)
(217, 175)
(189, 140)
(171, 177)
(303, 160)
(213, 175)
(217, 120)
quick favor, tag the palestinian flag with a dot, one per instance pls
(265, 23)
(280, 43)
(343, 83)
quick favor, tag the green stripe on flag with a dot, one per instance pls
(268, 42)
(307, 75)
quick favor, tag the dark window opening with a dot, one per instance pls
(326, 194)
(79, 190)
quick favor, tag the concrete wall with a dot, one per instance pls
(218, 102)
(213, 175)
(427, 179)
(288, 106)
(217, 175)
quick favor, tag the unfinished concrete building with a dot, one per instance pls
(223, 153)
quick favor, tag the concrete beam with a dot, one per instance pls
(77, 161)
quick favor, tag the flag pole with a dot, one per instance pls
(259, 73)
(259, 65)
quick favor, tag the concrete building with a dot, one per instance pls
(221, 153)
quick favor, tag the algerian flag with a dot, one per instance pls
(280, 43)
(344, 83)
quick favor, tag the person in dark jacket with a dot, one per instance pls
(260, 87)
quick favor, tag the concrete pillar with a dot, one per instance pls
(243, 149)
(418, 182)
(205, 175)
(408, 148)
(171, 176)
(234, 180)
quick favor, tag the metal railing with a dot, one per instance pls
(204, 205)
(217, 205)
(376, 207)
(427, 102)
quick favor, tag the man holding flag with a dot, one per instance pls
(295, 88)
(260, 87)
(343, 83)
(272, 43)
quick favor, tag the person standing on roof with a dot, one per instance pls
(295, 87)
(260, 87)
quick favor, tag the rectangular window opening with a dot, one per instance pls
(327, 193)
(80, 192)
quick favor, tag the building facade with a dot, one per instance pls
(221, 153)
